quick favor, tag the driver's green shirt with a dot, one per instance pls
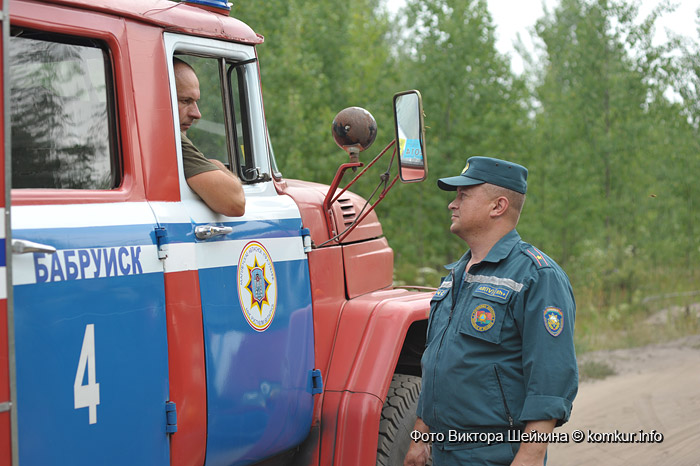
(193, 161)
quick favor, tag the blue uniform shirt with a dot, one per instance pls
(500, 348)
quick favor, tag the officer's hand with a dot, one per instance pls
(533, 453)
(418, 454)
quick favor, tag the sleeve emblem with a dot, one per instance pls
(553, 321)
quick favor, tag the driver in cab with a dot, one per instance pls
(218, 187)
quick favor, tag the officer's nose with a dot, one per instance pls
(452, 205)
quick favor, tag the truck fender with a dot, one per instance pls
(371, 333)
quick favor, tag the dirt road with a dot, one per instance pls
(656, 388)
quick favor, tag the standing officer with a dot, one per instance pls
(500, 352)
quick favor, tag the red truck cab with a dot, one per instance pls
(138, 326)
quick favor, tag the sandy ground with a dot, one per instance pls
(655, 388)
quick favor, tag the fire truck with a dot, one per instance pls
(139, 327)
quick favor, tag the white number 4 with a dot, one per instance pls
(87, 396)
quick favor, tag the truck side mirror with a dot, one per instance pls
(408, 118)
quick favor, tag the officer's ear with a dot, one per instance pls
(499, 206)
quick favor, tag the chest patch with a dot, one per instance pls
(444, 288)
(553, 321)
(498, 292)
(483, 317)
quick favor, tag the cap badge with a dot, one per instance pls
(465, 168)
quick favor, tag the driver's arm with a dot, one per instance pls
(220, 189)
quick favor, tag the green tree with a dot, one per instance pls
(687, 147)
(318, 58)
(602, 126)
(474, 105)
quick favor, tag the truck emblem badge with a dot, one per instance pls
(257, 286)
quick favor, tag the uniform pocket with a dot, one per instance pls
(484, 319)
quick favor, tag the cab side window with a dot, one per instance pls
(62, 113)
(224, 103)
(209, 133)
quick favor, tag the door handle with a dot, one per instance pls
(209, 231)
(22, 246)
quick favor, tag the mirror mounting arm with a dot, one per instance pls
(341, 171)
(382, 195)
(330, 198)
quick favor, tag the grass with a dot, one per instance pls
(639, 318)
(598, 334)
(635, 316)
(593, 370)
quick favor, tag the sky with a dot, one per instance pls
(518, 16)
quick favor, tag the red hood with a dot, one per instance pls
(309, 197)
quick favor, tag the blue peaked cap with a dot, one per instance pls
(481, 170)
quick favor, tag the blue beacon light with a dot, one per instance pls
(222, 4)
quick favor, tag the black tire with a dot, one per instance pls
(398, 419)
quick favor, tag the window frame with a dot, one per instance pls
(51, 19)
(231, 53)
(116, 171)
(239, 68)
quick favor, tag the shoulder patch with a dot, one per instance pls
(553, 321)
(537, 256)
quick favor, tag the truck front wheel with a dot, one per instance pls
(398, 419)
